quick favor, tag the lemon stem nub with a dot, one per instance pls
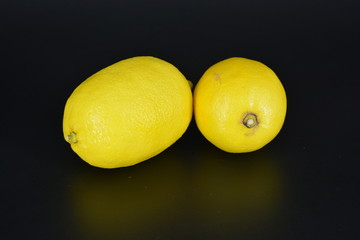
(71, 138)
(190, 84)
(250, 120)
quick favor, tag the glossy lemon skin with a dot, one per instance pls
(128, 112)
(230, 90)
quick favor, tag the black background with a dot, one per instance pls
(302, 185)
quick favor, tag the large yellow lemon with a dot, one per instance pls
(239, 105)
(128, 112)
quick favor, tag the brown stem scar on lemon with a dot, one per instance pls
(250, 120)
(71, 138)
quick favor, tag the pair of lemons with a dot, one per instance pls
(136, 108)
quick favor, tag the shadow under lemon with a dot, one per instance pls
(237, 191)
(128, 202)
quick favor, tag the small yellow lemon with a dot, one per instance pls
(128, 112)
(239, 105)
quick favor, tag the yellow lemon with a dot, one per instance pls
(239, 105)
(128, 112)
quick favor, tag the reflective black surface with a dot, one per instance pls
(303, 185)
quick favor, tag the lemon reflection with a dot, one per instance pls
(128, 202)
(237, 188)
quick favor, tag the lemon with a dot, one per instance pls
(239, 105)
(128, 112)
